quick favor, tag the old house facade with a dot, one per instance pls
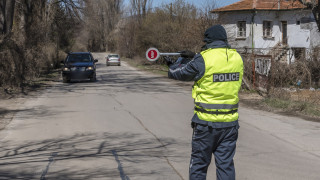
(288, 25)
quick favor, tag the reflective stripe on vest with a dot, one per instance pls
(217, 106)
(216, 93)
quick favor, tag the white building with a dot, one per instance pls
(289, 25)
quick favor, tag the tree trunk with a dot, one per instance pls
(6, 15)
(317, 14)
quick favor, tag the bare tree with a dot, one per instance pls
(207, 18)
(101, 18)
(72, 8)
(141, 7)
(41, 29)
(317, 14)
(314, 5)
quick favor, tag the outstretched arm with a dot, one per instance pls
(192, 71)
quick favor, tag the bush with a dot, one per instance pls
(170, 28)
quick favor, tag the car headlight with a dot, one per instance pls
(89, 68)
(66, 69)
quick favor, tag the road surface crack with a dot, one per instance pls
(162, 144)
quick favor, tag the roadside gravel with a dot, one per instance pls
(11, 100)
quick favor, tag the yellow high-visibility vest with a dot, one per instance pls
(216, 93)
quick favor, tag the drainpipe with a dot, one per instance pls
(254, 12)
(278, 4)
(252, 29)
(253, 46)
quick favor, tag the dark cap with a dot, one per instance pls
(214, 33)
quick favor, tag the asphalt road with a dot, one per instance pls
(134, 125)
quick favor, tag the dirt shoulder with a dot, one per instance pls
(13, 98)
(289, 107)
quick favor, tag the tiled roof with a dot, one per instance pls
(262, 5)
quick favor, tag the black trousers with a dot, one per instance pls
(221, 142)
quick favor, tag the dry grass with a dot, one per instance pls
(303, 102)
(145, 65)
(309, 96)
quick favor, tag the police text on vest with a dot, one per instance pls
(225, 77)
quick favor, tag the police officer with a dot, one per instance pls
(217, 71)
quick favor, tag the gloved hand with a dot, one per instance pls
(193, 125)
(168, 61)
(187, 54)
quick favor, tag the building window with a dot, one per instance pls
(267, 29)
(241, 29)
(299, 53)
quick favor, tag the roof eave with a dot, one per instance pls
(238, 10)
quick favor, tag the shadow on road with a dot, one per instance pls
(4, 111)
(124, 80)
(30, 160)
(66, 157)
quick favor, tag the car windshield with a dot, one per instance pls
(113, 55)
(79, 58)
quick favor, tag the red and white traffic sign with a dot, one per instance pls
(152, 54)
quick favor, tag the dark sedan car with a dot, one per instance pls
(79, 65)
